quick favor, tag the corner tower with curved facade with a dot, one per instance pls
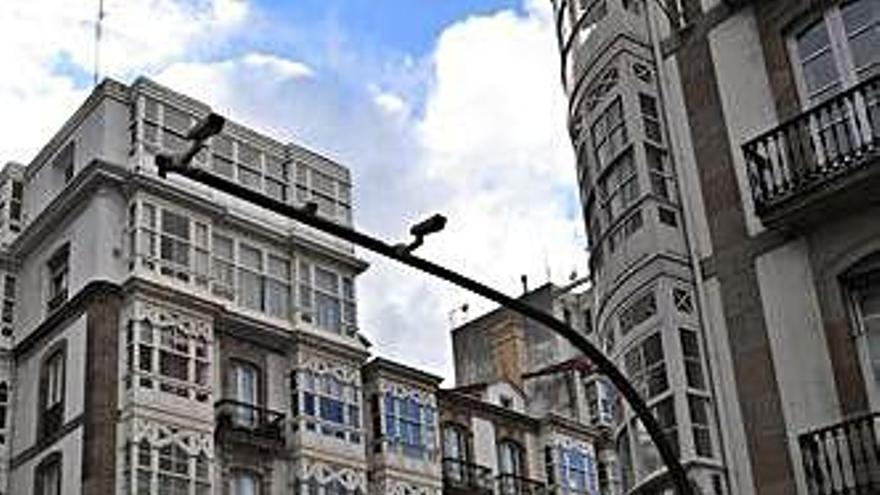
(646, 308)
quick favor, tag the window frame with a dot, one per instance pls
(58, 272)
(840, 50)
(52, 463)
(52, 391)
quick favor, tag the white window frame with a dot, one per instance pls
(841, 53)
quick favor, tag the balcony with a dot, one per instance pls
(844, 458)
(821, 161)
(461, 477)
(511, 484)
(240, 422)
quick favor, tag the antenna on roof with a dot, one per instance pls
(98, 33)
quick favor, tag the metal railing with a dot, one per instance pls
(253, 420)
(815, 146)
(511, 484)
(843, 458)
(465, 475)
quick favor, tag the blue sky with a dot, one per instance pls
(447, 106)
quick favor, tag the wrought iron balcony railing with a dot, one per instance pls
(816, 147)
(511, 484)
(249, 422)
(466, 476)
(843, 458)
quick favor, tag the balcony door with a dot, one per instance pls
(834, 53)
(455, 455)
(244, 382)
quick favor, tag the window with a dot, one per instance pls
(15, 205)
(648, 458)
(619, 188)
(169, 468)
(455, 442)
(331, 195)
(47, 476)
(327, 299)
(643, 72)
(693, 367)
(609, 133)
(260, 281)
(576, 471)
(605, 84)
(171, 357)
(176, 243)
(698, 408)
(244, 383)
(682, 300)
(4, 404)
(662, 181)
(244, 483)
(667, 216)
(600, 396)
(63, 161)
(8, 314)
(409, 425)
(58, 277)
(223, 267)
(645, 367)
(593, 11)
(51, 405)
(511, 467)
(327, 404)
(650, 117)
(644, 307)
(839, 49)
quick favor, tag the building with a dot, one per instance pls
(644, 278)
(765, 118)
(159, 337)
(525, 389)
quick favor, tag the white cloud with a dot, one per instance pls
(279, 65)
(48, 53)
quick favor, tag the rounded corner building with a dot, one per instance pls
(646, 308)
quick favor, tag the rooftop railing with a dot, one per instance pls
(843, 458)
(815, 147)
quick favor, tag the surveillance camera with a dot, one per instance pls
(430, 226)
(209, 126)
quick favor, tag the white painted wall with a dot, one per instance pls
(727, 401)
(21, 479)
(797, 340)
(26, 392)
(745, 94)
(485, 451)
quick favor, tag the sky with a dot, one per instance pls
(436, 106)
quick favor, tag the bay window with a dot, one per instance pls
(410, 425)
(168, 359)
(327, 404)
(327, 299)
(168, 468)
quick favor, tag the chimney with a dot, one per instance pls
(507, 342)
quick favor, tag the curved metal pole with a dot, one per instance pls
(307, 216)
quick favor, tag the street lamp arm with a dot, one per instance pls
(308, 217)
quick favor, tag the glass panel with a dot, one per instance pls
(250, 257)
(174, 224)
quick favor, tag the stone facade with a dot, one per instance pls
(771, 111)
